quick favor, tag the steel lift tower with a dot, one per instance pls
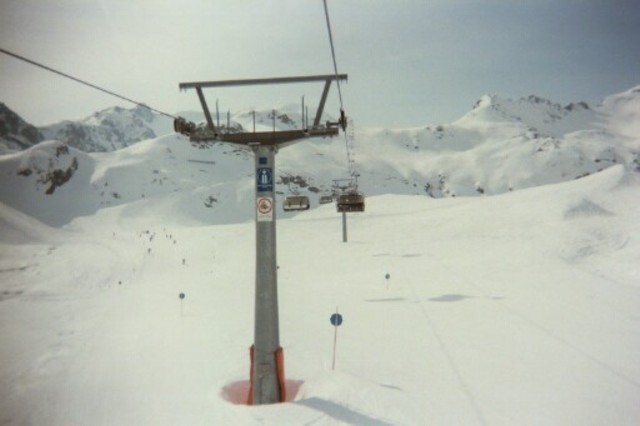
(267, 371)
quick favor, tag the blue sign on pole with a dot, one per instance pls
(336, 319)
(264, 179)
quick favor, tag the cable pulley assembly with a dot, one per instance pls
(343, 120)
(184, 127)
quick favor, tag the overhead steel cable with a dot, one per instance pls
(335, 69)
(77, 80)
(333, 53)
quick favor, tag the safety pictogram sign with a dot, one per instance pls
(264, 209)
(264, 179)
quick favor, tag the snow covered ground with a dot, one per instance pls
(520, 308)
(512, 296)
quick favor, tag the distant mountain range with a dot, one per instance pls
(131, 159)
(107, 130)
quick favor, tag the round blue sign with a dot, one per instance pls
(336, 319)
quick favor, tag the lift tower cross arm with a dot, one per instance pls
(259, 81)
(211, 133)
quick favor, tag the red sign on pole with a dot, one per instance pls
(264, 209)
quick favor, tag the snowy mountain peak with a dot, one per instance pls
(485, 101)
(110, 129)
(500, 146)
(532, 113)
(138, 114)
(622, 112)
(107, 130)
(15, 133)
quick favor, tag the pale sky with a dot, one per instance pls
(410, 62)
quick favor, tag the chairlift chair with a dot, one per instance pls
(295, 203)
(326, 199)
(351, 202)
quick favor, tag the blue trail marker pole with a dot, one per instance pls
(336, 320)
(182, 296)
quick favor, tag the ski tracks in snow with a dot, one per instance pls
(448, 321)
(498, 301)
(437, 334)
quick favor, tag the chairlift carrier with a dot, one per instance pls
(350, 202)
(295, 203)
(326, 199)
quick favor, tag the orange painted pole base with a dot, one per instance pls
(279, 355)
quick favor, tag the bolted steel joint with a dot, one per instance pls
(184, 127)
(343, 120)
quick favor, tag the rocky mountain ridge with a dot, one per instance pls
(15, 133)
(107, 130)
(498, 146)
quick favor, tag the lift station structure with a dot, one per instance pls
(267, 363)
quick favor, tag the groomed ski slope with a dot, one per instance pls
(520, 309)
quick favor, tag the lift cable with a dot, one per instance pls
(333, 53)
(335, 68)
(93, 86)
